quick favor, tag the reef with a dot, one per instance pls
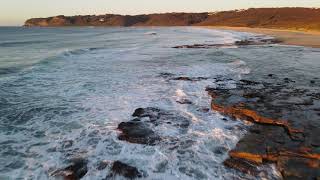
(246, 42)
(285, 130)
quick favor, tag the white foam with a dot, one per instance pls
(86, 95)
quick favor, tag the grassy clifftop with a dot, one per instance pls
(279, 18)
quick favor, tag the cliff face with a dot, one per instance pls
(168, 19)
(286, 18)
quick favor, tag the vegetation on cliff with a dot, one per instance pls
(280, 18)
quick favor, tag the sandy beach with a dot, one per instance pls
(288, 37)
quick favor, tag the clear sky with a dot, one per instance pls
(15, 12)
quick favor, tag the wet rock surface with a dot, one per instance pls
(76, 170)
(202, 46)
(143, 128)
(184, 101)
(246, 42)
(121, 169)
(182, 78)
(174, 77)
(285, 127)
(138, 132)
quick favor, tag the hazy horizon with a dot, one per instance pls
(14, 13)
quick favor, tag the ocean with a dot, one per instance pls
(64, 91)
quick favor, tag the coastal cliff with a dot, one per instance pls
(168, 19)
(280, 18)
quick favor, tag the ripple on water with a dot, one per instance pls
(70, 106)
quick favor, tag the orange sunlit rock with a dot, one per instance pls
(239, 112)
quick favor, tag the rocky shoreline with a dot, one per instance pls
(284, 130)
(285, 127)
(282, 114)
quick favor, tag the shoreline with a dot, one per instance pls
(288, 37)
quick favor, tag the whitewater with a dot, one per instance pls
(64, 91)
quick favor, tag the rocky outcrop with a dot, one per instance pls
(285, 18)
(246, 42)
(121, 169)
(285, 128)
(142, 129)
(75, 171)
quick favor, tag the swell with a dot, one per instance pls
(20, 43)
(61, 55)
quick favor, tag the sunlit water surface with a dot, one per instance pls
(63, 92)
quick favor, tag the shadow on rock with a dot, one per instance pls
(286, 126)
(75, 171)
(142, 129)
(121, 169)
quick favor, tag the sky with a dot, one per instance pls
(15, 12)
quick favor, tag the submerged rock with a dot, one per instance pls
(246, 42)
(76, 170)
(125, 170)
(184, 78)
(202, 46)
(166, 75)
(184, 101)
(103, 164)
(159, 116)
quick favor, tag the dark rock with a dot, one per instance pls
(140, 130)
(204, 110)
(189, 78)
(312, 81)
(248, 42)
(288, 80)
(103, 164)
(125, 170)
(295, 168)
(286, 127)
(184, 101)
(242, 165)
(151, 33)
(166, 75)
(75, 171)
(182, 79)
(158, 116)
(201, 46)
(161, 166)
(248, 82)
(137, 132)
(224, 119)
(220, 150)
(244, 43)
(255, 130)
(138, 112)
